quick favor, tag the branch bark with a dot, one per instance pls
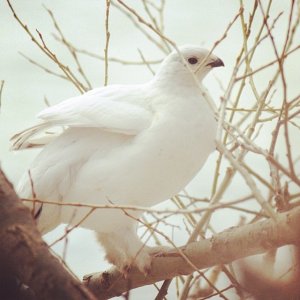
(222, 248)
(26, 257)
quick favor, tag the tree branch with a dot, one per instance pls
(26, 257)
(222, 248)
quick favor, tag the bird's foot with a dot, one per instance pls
(125, 270)
(142, 259)
(125, 263)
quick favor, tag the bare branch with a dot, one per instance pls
(24, 254)
(43, 47)
(241, 242)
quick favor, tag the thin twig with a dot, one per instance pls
(1, 90)
(70, 48)
(107, 37)
(135, 207)
(43, 47)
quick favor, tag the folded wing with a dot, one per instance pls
(113, 109)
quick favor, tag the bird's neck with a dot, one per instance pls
(174, 84)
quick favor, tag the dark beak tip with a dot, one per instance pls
(217, 63)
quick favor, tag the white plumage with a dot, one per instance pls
(124, 144)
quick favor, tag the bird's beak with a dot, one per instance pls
(216, 63)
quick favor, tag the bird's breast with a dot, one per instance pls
(163, 159)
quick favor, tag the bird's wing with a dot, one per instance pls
(105, 108)
(113, 109)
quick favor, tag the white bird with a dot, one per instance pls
(124, 144)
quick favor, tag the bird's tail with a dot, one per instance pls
(23, 139)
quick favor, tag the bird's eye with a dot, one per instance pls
(192, 60)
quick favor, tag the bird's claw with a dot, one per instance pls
(126, 270)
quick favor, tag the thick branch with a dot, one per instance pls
(25, 256)
(222, 248)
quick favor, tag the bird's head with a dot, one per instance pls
(191, 58)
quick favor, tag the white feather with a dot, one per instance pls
(103, 108)
(137, 144)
